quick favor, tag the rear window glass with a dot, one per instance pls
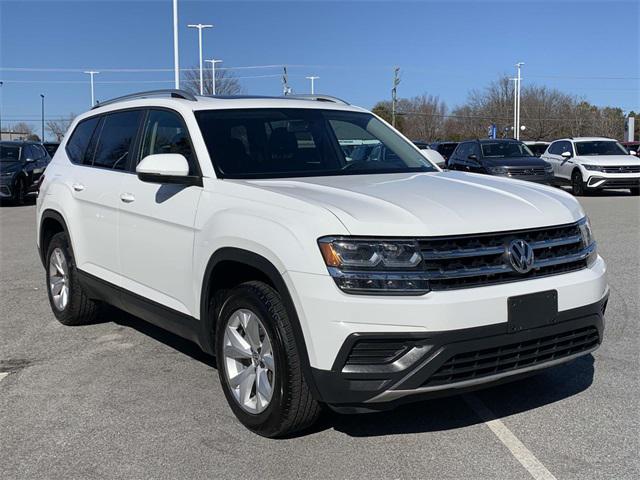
(77, 144)
(9, 153)
(117, 133)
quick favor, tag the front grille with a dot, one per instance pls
(493, 361)
(478, 260)
(528, 171)
(376, 352)
(622, 182)
(622, 169)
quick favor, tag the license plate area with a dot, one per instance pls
(532, 310)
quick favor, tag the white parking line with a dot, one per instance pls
(3, 374)
(506, 436)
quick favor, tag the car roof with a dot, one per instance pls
(586, 139)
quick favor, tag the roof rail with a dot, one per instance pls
(319, 98)
(174, 93)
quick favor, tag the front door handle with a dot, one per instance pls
(78, 187)
(127, 197)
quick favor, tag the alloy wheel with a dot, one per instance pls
(59, 279)
(249, 363)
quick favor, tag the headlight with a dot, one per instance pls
(588, 240)
(595, 168)
(7, 174)
(498, 170)
(391, 267)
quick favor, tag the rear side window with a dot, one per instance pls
(116, 136)
(77, 144)
(164, 132)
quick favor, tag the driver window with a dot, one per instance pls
(164, 132)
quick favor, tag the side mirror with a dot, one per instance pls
(566, 155)
(30, 160)
(473, 156)
(166, 168)
(633, 152)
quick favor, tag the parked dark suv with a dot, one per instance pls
(21, 166)
(505, 158)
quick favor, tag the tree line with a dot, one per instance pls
(547, 114)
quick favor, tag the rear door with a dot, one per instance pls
(100, 147)
(157, 221)
(553, 157)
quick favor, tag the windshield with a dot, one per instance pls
(287, 142)
(600, 147)
(505, 150)
(446, 149)
(9, 153)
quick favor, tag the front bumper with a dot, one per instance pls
(457, 361)
(543, 179)
(599, 181)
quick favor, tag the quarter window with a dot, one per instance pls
(79, 141)
(116, 136)
(164, 132)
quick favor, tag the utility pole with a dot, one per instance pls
(312, 78)
(394, 97)
(93, 98)
(1, 84)
(200, 27)
(515, 105)
(519, 82)
(286, 89)
(213, 74)
(176, 60)
(42, 117)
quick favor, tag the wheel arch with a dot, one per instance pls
(51, 222)
(266, 272)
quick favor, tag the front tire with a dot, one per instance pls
(259, 365)
(19, 192)
(577, 184)
(69, 302)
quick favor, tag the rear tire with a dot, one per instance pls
(69, 302)
(577, 184)
(288, 406)
(19, 192)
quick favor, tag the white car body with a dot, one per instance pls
(156, 241)
(618, 171)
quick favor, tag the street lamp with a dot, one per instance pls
(92, 73)
(213, 74)
(519, 82)
(1, 84)
(312, 78)
(42, 117)
(176, 59)
(200, 26)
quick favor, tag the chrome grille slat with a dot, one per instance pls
(622, 169)
(471, 261)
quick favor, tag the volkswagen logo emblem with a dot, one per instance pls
(520, 256)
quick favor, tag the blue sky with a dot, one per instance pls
(587, 48)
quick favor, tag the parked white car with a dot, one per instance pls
(593, 163)
(239, 224)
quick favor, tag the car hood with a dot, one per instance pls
(514, 162)
(8, 167)
(431, 204)
(608, 160)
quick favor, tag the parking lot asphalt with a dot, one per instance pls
(123, 399)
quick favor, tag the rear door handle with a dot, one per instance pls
(127, 197)
(78, 187)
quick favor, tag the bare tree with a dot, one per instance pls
(226, 82)
(22, 127)
(58, 128)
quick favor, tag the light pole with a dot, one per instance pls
(200, 26)
(519, 82)
(91, 73)
(42, 116)
(176, 61)
(1, 84)
(313, 79)
(213, 62)
(515, 104)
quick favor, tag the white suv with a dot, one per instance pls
(315, 279)
(593, 163)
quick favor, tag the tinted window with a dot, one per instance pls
(28, 153)
(600, 148)
(463, 151)
(272, 143)
(9, 153)
(505, 150)
(116, 135)
(564, 146)
(77, 144)
(446, 149)
(164, 132)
